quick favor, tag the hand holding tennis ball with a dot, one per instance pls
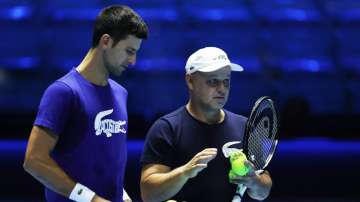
(238, 166)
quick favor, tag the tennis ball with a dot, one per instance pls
(238, 166)
(232, 175)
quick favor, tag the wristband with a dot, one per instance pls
(80, 193)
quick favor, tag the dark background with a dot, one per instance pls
(305, 54)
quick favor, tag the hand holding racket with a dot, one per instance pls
(260, 138)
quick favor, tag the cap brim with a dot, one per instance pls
(233, 66)
(236, 67)
(211, 68)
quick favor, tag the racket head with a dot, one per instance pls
(261, 133)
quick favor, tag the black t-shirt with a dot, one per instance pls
(176, 138)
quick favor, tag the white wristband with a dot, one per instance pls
(80, 193)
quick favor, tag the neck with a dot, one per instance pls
(205, 115)
(92, 68)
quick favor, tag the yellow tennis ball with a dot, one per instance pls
(232, 175)
(238, 164)
(239, 168)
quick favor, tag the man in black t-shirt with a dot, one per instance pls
(180, 159)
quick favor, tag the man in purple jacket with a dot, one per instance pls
(77, 147)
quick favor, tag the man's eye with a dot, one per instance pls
(216, 82)
(212, 82)
(226, 82)
(129, 52)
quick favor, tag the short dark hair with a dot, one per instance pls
(118, 21)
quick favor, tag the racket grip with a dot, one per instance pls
(236, 199)
(240, 190)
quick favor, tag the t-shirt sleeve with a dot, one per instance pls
(54, 108)
(159, 144)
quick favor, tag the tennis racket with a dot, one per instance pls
(260, 138)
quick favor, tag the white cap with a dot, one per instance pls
(209, 59)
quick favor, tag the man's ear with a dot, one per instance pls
(189, 81)
(105, 41)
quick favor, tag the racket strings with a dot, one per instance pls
(260, 143)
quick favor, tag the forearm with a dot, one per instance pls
(49, 173)
(162, 186)
(260, 188)
(41, 166)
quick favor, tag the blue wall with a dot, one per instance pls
(300, 49)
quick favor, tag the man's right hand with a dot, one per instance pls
(199, 162)
(99, 199)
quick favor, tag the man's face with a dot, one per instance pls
(211, 89)
(118, 58)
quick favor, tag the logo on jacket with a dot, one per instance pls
(108, 126)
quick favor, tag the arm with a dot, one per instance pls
(41, 166)
(159, 182)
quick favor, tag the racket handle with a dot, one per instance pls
(240, 190)
(236, 198)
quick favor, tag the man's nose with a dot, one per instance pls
(132, 59)
(221, 88)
